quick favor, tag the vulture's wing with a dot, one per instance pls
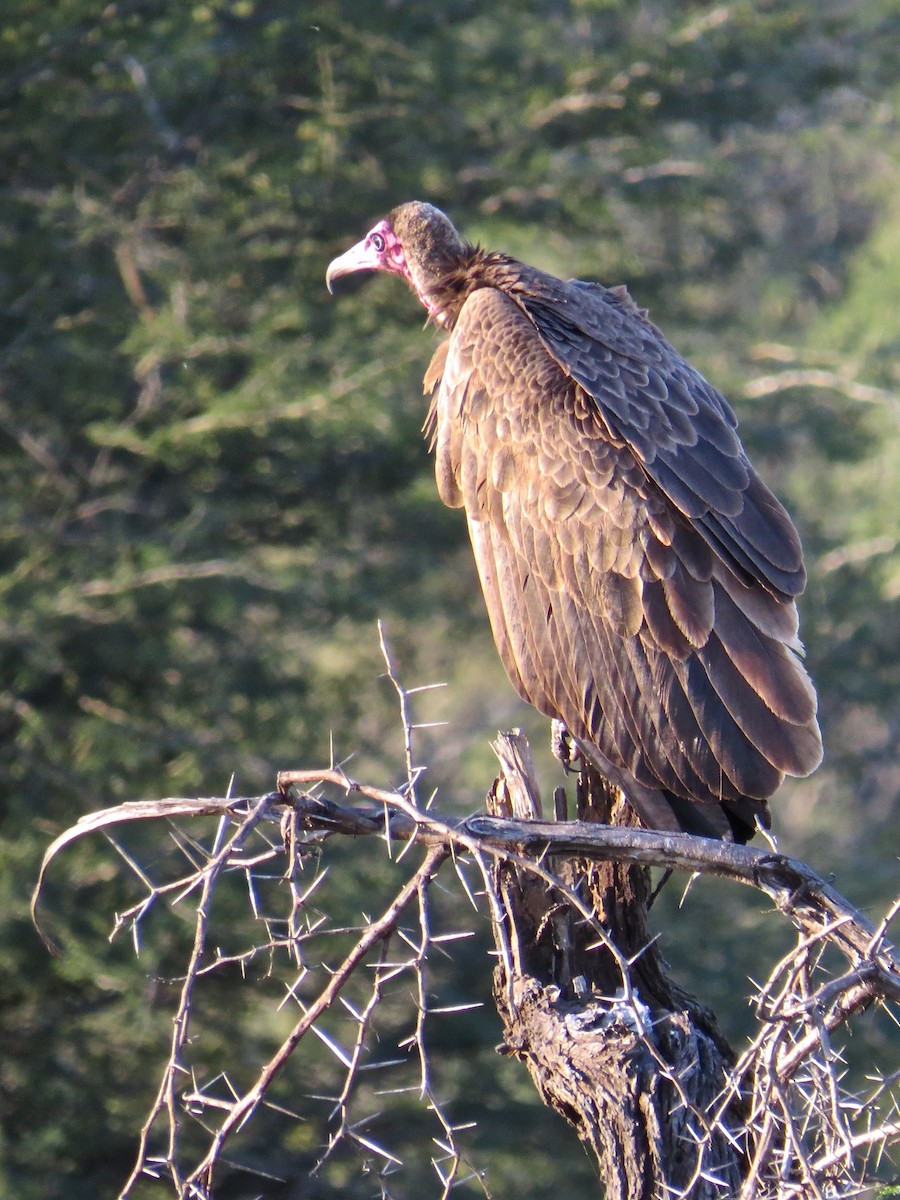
(609, 609)
(679, 427)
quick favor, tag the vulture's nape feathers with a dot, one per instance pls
(639, 576)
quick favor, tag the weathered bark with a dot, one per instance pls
(632, 1061)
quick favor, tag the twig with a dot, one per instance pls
(374, 932)
(166, 1096)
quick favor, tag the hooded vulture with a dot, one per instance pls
(639, 576)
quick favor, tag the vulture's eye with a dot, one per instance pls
(378, 242)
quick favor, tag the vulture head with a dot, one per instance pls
(415, 241)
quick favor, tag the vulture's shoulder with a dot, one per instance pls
(572, 369)
(608, 344)
(679, 427)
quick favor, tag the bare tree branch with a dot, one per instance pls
(375, 932)
(777, 1114)
(795, 889)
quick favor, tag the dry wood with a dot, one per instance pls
(634, 1063)
(627, 1057)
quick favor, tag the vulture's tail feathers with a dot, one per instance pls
(730, 820)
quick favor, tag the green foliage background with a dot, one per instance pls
(214, 480)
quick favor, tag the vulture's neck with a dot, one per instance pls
(447, 291)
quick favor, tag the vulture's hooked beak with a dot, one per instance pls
(361, 257)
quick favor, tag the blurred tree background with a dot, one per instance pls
(214, 480)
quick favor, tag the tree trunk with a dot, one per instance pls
(625, 1055)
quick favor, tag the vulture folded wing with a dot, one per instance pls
(603, 590)
(680, 428)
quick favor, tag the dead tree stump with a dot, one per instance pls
(631, 1060)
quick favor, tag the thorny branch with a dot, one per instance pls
(793, 887)
(374, 932)
(166, 1099)
(806, 1136)
(791, 1056)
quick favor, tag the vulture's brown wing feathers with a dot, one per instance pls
(622, 536)
(679, 427)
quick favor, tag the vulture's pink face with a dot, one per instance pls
(380, 250)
